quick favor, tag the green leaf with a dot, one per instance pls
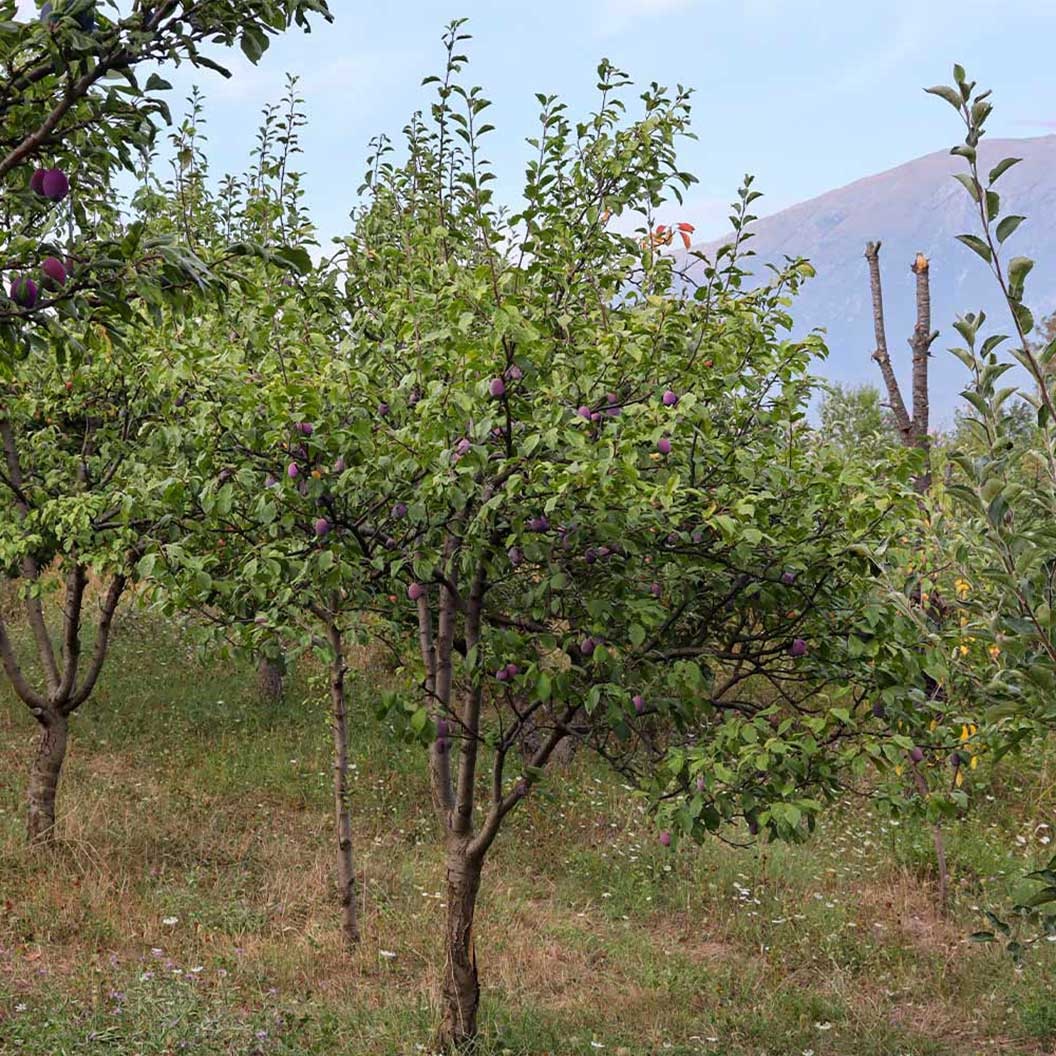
(254, 43)
(1018, 270)
(977, 245)
(951, 95)
(969, 183)
(1002, 167)
(1006, 228)
(1023, 316)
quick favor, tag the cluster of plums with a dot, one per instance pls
(25, 290)
(54, 185)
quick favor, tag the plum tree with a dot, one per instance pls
(80, 491)
(78, 481)
(260, 514)
(1005, 468)
(545, 523)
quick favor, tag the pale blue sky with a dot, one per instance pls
(806, 94)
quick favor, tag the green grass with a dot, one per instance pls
(189, 907)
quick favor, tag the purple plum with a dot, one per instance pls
(399, 511)
(24, 292)
(788, 578)
(415, 591)
(383, 409)
(292, 471)
(639, 703)
(584, 412)
(663, 445)
(515, 555)
(512, 670)
(515, 373)
(670, 398)
(305, 428)
(655, 589)
(339, 465)
(497, 388)
(916, 754)
(798, 648)
(55, 185)
(322, 527)
(36, 181)
(502, 675)
(665, 839)
(54, 273)
(587, 646)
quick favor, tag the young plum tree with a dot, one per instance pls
(76, 488)
(82, 480)
(553, 564)
(1007, 478)
(254, 551)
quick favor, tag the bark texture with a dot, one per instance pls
(270, 680)
(461, 988)
(44, 779)
(912, 428)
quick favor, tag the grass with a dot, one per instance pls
(189, 907)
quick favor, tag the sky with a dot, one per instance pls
(807, 95)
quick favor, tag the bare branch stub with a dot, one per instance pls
(912, 428)
(903, 422)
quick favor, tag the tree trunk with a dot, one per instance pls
(346, 875)
(270, 674)
(44, 779)
(938, 842)
(461, 989)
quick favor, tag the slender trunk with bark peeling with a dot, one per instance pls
(44, 779)
(461, 988)
(346, 874)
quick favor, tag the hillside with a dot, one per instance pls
(916, 206)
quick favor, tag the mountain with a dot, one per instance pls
(916, 206)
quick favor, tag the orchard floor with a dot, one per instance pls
(189, 908)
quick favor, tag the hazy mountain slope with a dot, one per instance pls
(916, 206)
